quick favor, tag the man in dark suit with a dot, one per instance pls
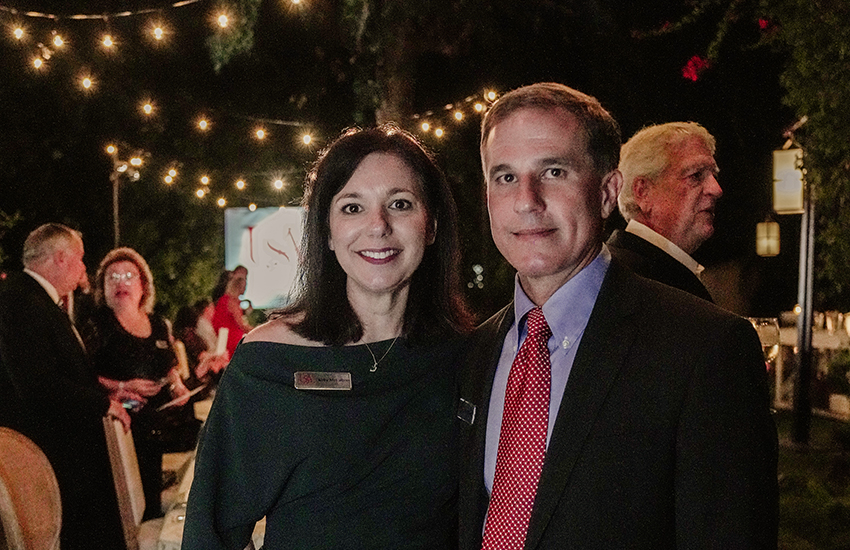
(49, 393)
(669, 192)
(653, 428)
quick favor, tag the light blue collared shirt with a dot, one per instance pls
(567, 312)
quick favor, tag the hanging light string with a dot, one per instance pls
(434, 123)
(95, 16)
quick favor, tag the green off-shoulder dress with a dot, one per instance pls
(373, 467)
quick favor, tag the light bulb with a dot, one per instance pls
(260, 133)
(240, 185)
(205, 180)
(425, 126)
(107, 41)
(200, 193)
(438, 132)
(458, 115)
(252, 207)
(223, 21)
(221, 202)
(18, 33)
(58, 42)
(278, 184)
(306, 138)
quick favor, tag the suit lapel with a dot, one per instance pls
(476, 387)
(601, 354)
(70, 340)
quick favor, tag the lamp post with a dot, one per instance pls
(129, 168)
(792, 194)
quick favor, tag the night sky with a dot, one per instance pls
(300, 71)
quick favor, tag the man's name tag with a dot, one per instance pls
(323, 380)
(466, 411)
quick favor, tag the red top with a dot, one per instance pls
(224, 318)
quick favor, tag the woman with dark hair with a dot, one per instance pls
(228, 311)
(131, 348)
(336, 420)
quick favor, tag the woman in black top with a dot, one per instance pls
(336, 420)
(132, 350)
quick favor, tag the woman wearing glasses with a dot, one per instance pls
(132, 351)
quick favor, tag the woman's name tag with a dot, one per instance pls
(322, 380)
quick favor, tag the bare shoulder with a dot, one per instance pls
(279, 331)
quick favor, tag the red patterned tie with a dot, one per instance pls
(522, 440)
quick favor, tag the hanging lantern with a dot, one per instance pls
(767, 239)
(788, 181)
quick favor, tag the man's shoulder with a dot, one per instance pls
(17, 286)
(625, 288)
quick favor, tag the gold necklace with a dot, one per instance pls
(375, 362)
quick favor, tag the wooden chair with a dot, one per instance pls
(128, 486)
(30, 506)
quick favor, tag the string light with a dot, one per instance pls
(205, 180)
(107, 41)
(136, 161)
(200, 193)
(306, 138)
(86, 82)
(223, 21)
(458, 115)
(57, 41)
(158, 32)
(147, 108)
(260, 133)
(252, 207)
(37, 63)
(111, 149)
(278, 184)
(168, 179)
(240, 185)
(18, 33)
(425, 126)
(203, 124)
(172, 173)
(479, 107)
(438, 132)
(221, 202)
(491, 96)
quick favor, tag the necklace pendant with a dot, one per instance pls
(373, 368)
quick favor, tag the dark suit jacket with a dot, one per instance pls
(664, 437)
(49, 393)
(647, 260)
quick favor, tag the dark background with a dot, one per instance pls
(304, 69)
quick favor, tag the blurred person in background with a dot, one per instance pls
(48, 391)
(132, 349)
(380, 320)
(668, 197)
(228, 311)
(205, 367)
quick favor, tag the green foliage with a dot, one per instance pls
(814, 488)
(816, 37)
(838, 371)
(185, 252)
(239, 37)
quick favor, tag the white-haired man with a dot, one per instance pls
(668, 197)
(48, 391)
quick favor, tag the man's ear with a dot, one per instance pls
(610, 189)
(640, 190)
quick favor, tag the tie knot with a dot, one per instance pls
(537, 325)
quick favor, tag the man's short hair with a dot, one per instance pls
(600, 128)
(47, 239)
(647, 155)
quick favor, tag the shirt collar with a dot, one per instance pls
(662, 242)
(51, 290)
(568, 309)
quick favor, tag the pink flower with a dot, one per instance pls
(694, 68)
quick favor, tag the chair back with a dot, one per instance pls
(30, 505)
(128, 480)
